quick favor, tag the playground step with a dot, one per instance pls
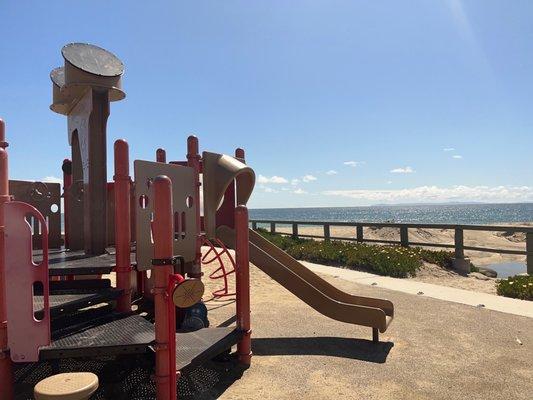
(132, 334)
(79, 286)
(195, 348)
(61, 304)
(76, 320)
(114, 334)
(62, 263)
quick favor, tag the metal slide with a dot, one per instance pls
(312, 289)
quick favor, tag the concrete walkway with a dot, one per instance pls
(461, 296)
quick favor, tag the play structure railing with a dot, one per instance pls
(217, 250)
(403, 228)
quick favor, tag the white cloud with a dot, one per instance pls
(295, 181)
(331, 172)
(437, 194)
(402, 170)
(299, 191)
(457, 156)
(389, 182)
(267, 189)
(448, 149)
(308, 178)
(52, 179)
(353, 164)
(272, 179)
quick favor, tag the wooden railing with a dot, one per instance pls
(458, 245)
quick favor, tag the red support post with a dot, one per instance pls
(242, 283)
(161, 155)
(67, 183)
(123, 224)
(165, 321)
(193, 161)
(6, 373)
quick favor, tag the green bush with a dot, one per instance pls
(517, 287)
(393, 261)
(442, 258)
(282, 241)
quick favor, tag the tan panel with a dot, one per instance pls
(182, 188)
(43, 196)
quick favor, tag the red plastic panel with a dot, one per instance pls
(25, 334)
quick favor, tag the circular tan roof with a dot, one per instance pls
(68, 386)
(93, 59)
(58, 76)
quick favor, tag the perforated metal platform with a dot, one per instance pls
(65, 303)
(195, 348)
(78, 263)
(121, 335)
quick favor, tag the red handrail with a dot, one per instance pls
(223, 292)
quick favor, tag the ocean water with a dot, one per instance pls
(437, 214)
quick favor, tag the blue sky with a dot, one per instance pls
(337, 103)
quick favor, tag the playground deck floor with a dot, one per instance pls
(434, 349)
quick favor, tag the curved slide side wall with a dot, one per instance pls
(294, 280)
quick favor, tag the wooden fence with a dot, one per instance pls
(458, 246)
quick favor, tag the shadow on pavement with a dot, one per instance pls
(357, 349)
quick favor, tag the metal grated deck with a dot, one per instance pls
(65, 303)
(79, 263)
(195, 348)
(107, 349)
(126, 335)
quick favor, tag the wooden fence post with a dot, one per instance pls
(294, 230)
(404, 236)
(327, 235)
(529, 251)
(359, 236)
(460, 263)
(459, 244)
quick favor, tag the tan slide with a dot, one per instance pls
(312, 289)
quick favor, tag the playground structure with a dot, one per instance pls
(55, 304)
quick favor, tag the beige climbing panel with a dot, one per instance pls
(184, 209)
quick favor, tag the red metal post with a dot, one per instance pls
(161, 155)
(6, 373)
(242, 283)
(193, 161)
(122, 224)
(67, 183)
(165, 321)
